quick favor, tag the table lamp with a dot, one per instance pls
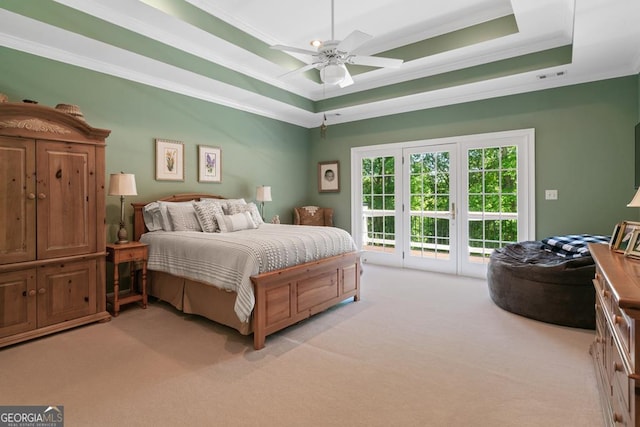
(635, 202)
(263, 194)
(122, 184)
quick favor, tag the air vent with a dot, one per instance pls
(553, 75)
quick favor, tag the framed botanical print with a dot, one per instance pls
(328, 177)
(209, 164)
(169, 160)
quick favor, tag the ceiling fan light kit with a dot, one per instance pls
(333, 74)
(332, 56)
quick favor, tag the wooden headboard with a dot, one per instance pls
(139, 228)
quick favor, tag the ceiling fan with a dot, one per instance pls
(332, 57)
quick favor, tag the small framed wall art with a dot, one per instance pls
(169, 160)
(329, 176)
(209, 164)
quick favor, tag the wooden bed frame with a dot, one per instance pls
(283, 297)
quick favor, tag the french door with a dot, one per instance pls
(443, 205)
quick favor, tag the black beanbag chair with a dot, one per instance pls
(527, 280)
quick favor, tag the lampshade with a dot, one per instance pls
(122, 184)
(263, 194)
(333, 74)
(635, 202)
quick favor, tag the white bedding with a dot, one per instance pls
(228, 260)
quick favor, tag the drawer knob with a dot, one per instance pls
(31, 196)
(617, 418)
(32, 292)
(42, 290)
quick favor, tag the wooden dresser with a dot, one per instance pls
(52, 222)
(616, 348)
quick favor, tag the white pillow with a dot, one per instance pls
(183, 217)
(248, 207)
(152, 216)
(206, 214)
(236, 222)
(166, 221)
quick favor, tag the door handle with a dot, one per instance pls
(453, 211)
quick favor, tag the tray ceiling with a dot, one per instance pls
(218, 50)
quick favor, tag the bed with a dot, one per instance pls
(276, 294)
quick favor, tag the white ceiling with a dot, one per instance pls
(605, 35)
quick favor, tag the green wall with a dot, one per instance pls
(255, 150)
(584, 141)
(584, 148)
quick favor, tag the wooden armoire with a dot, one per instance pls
(52, 222)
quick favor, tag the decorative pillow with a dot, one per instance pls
(221, 202)
(206, 213)
(152, 216)
(249, 207)
(183, 217)
(236, 222)
(225, 203)
(232, 203)
(572, 245)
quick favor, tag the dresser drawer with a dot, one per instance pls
(603, 291)
(620, 415)
(622, 327)
(620, 377)
(620, 322)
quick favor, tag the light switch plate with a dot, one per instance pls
(551, 194)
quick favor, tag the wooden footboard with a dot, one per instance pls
(287, 296)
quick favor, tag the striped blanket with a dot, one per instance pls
(228, 260)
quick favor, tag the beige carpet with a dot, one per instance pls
(419, 349)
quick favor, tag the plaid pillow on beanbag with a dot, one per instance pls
(572, 245)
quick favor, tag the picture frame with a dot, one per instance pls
(624, 235)
(209, 164)
(614, 235)
(633, 248)
(329, 177)
(169, 160)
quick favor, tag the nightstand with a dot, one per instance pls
(132, 253)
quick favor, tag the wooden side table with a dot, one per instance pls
(130, 252)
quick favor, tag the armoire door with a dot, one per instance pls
(17, 200)
(66, 291)
(17, 302)
(66, 196)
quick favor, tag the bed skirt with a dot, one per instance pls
(194, 297)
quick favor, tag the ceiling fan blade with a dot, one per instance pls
(298, 70)
(353, 41)
(348, 80)
(293, 49)
(375, 61)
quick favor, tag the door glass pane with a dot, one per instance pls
(429, 204)
(378, 204)
(492, 198)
